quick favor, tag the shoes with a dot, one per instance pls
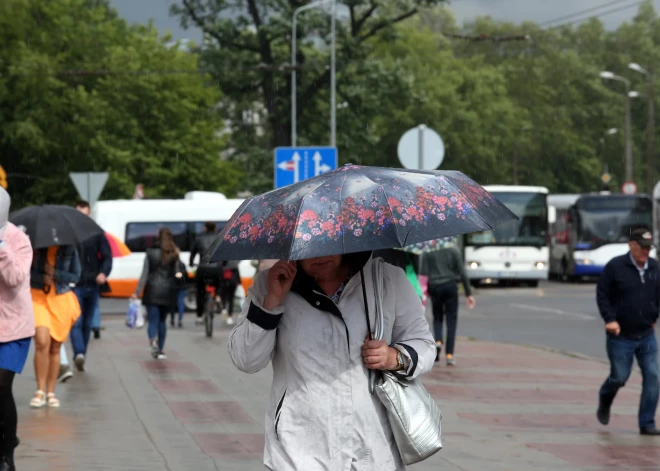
(161, 356)
(39, 400)
(230, 321)
(180, 325)
(199, 320)
(65, 374)
(450, 360)
(649, 431)
(79, 360)
(603, 414)
(154, 348)
(97, 333)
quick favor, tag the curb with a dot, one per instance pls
(578, 356)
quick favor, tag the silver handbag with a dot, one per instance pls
(414, 416)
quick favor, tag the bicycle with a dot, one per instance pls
(212, 306)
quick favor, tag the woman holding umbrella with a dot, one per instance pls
(54, 271)
(16, 324)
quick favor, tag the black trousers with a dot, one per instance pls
(227, 292)
(445, 304)
(201, 282)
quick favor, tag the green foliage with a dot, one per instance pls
(142, 111)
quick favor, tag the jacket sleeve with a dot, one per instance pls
(252, 342)
(411, 334)
(143, 276)
(604, 294)
(73, 274)
(106, 256)
(460, 269)
(15, 262)
(193, 253)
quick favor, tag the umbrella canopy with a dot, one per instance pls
(49, 225)
(355, 209)
(430, 246)
(117, 247)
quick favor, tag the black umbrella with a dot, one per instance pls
(355, 209)
(49, 225)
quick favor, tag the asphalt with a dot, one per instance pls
(505, 407)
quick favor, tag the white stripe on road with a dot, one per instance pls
(559, 312)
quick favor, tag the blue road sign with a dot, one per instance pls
(295, 164)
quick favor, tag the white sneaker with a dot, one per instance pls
(154, 348)
(161, 356)
(80, 362)
(230, 321)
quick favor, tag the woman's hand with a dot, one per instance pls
(49, 269)
(377, 355)
(280, 279)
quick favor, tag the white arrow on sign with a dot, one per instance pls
(286, 165)
(318, 168)
(296, 167)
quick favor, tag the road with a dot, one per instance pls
(556, 315)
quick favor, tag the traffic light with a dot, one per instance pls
(3, 178)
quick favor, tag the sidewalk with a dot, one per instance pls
(505, 408)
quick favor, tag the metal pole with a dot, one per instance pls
(650, 134)
(628, 154)
(333, 79)
(294, 104)
(421, 146)
(602, 154)
(294, 38)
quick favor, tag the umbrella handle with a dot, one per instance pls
(46, 289)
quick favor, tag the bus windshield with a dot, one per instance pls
(531, 229)
(609, 219)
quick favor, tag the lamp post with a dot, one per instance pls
(609, 132)
(333, 69)
(650, 126)
(628, 149)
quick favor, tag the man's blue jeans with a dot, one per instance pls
(621, 352)
(88, 297)
(96, 320)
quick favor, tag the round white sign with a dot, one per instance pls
(421, 148)
(629, 188)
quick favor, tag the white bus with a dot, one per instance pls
(137, 222)
(592, 228)
(516, 251)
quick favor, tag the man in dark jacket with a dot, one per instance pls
(96, 262)
(445, 269)
(628, 297)
(205, 273)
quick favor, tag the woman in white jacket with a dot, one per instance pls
(308, 318)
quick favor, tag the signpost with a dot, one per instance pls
(89, 185)
(421, 148)
(629, 188)
(295, 164)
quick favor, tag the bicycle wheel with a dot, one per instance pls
(208, 318)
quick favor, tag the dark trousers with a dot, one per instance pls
(227, 295)
(157, 328)
(88, 298)
(201, 282)
(621, 352)
(444, 299)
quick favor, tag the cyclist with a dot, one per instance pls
(207, 274)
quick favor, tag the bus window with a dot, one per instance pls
(142, 235)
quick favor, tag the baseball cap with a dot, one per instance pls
(642, 236)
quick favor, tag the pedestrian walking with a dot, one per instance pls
(56, 308)
(16, 324)
(96, 263)
(159, 280)
(309, 319)
(444, 269)
(629, 301)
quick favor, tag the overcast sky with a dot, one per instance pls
(514, 10)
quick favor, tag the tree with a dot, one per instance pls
(80, 90)
(248, 51)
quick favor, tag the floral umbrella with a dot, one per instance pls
(355, 209)
(430, 245)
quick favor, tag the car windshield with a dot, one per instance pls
(609, 219)
(531, 229)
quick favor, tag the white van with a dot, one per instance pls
(137, 222)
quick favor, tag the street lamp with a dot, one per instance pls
(628, 152)
(333, 68)
(650, 125)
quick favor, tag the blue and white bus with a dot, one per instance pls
(591, 229)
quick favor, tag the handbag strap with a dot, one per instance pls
(366, 304)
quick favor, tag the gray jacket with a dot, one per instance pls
(445, 266)
(321, 415)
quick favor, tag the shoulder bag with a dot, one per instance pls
(414, 416)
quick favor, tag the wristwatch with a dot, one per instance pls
(399, 360)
